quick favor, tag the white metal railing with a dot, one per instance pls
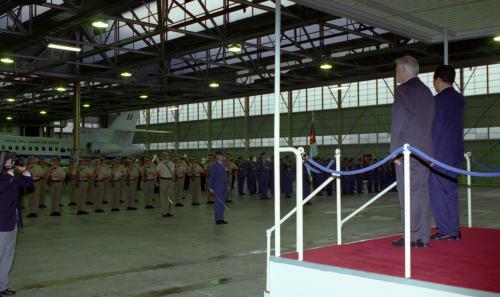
(469, 190)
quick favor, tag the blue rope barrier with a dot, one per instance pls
(359, 171)
(485, 167)
(448, 167)
(311, 169)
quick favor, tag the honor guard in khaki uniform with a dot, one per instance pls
(55, 178)
(90, 196)
(71, 179)
(195, 170)
(123, 168)
(148, 174)
(34, 197)
(131, 177)
(107, 182)
(116, 177)
(165, 171)
(180, 174)
(84, 176)
(101, 174)
(43, 183)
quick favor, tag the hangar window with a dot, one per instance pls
(255, 105)
(385, 89)
(17, 148)
(330, 94)
(475, 82)
(50, 148)
(23, 148)
(299, 101)
(30, 148)
(161, 115)
(239, 107)
(267, 104)
(228, 108)
(329, 139)
(193, 111)
(228, 143)
(284, 102)
(36, 148)
(203, 111)
(43, 148)
(350, 139)
(183, 112)
(368, 93)
(314, 101)
(350, 95)
(217, 109)
(63, 150)
(494, 78)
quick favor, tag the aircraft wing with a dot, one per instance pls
(144, 131)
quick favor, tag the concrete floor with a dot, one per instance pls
(141, 254)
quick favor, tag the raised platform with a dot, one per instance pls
(467, 267)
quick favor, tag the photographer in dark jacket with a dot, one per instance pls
(12, 179)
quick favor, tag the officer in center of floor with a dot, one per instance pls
(218, 185)
(56, 178)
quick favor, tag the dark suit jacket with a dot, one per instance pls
(448, 127)
(412, 116)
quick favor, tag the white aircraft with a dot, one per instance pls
(115, 141)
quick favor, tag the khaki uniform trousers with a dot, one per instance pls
(99, 193)
(116, 189)
(43, 191)
(131, 192)
(178, 189)
(81, 193)
(55, 195)
(148, 190)
(34, 197)
(166, 195)
(195, 189)
(72, 191)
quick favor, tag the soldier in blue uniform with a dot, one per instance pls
(13, 179)
(218, 185)
(242, 172)
(447, 138)
(358, 177)
(262, 176)
(286, 176)
(252, 176)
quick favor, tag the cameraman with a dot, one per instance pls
(12, 179)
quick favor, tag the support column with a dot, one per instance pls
(76, 120)
(247, 127)
(277, 99)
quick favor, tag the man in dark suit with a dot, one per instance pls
(412, 117)
(218, 185)
(447, 136)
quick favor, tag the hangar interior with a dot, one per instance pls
(203, 70)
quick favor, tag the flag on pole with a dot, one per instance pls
(313, 147)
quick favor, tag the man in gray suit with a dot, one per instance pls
(412, 118)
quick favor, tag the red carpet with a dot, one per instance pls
(473, 262)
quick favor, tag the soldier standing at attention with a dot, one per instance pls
(131, 184)
(101, 174)
(71, 179)
(180, 173)
(195, 171)
(116, 176)
(165, 171)
(56, 179)
(218, 185)
(34, 197)
(84, 175)
(43, 183)
(148, 174)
